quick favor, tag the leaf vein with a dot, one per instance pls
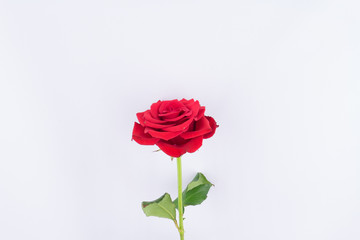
(167, 211)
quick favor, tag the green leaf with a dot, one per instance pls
(162, 207)
(196, 191)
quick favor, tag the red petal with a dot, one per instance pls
(213, 127)
(181, 127)
(194, 107)
(185, 102)
(194, 144)
(200, 114)
(186, 114)
(148, 116)
(162, 135)
(156, 125)
(171, 106)
(154, 109)
(201, 127)
(140, 117)
(171, 150)
(169, 115)
(178, 150)
(141, 137)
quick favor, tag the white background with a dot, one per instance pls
(280, 77)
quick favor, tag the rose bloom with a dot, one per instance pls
(176, 127)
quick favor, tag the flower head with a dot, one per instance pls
(176, 127)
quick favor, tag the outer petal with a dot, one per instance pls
(200, 114)
(141, 137)
(213, 127)
(178, 150)
(202, 127)
(194, 144)
(171, 150)
(194, 107)
(140, 117)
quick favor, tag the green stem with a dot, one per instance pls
(180, 199)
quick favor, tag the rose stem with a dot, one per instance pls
(180, 199)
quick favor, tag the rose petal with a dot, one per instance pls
(149, 118)
(169, 106)
(177, 141)
(194, 107)
(201, 127)
(213, 127)
(154, 109)
(185, 114)
(175, 105)
(194, 144)
(141, 137)
(171, 150)
(178, 150)
(176, 111)
(200, 113)
(157, 125)
(169, 115)
(185, 102)
(140, 117)
(162, 135)
(180, 127)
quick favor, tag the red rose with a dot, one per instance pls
(176, 127)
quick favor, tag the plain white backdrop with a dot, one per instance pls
(280, 77)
